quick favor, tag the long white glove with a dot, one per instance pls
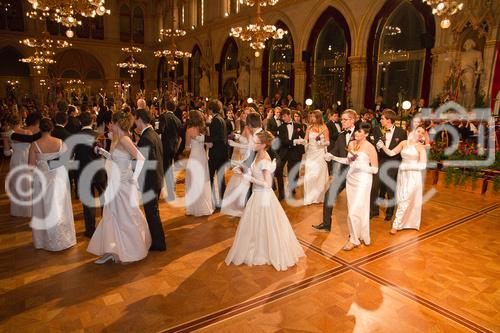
(369, 169)
(8, 152)
(299, 142)
(237, 145)
(103, 152)
(209, 145)
(413, 166)
(138, 166)
(381, 145)
(342, 160)
(248, 177)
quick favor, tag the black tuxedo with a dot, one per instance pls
(333, 132)
(379, 188)
(339, 177)
(230, 126)
(288, 154)
(152, 180)
(272, 126)
(73, 126)
(60, 132)
(84, 154)
(218, 154)
(292, 104)
(170, 128)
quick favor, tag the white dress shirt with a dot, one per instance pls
(348, 135)
(388, 136)
(289, 127)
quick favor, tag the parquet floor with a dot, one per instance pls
(444, 278)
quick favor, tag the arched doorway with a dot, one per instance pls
(278, 75)
(399, 52)
(328, 49)
(228, 65)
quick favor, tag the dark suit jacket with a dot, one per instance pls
(153, 178)
(230, 126)
(272, 126)
(73, 126)
(60, 132)
(398, 136)
(287, 149)
(333, 132)
(84, 153)
(218, 137)
(292, 104)
(171, 130)
(339, 150)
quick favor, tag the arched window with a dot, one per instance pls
(328, 49)
(11, 15)
(277, 68)
(228, 69)
(98, 27)
(195, 71)
(401, 39)
(138, 25)
(125, 25)
(83, 31)
(401, 55)
(179, 72)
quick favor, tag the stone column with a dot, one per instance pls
(300, 81)
(256, 77)
(358, 81)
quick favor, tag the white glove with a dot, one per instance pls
(380, 144)
(103, 152)
(8, 152)
(329, 157)
(248, 177)
(299, 142)
(237, 136)
(209, 145)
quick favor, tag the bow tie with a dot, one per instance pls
(348, 131)
(288, 124)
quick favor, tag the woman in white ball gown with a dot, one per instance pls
(409, 185)
(264, 235)
(198, 190)
(123, 233)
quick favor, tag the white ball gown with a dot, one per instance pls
(198, 190)
(264, 235)
(358, 188)
(52, 222)
(123, 230)
(316, 171)
(236, 192)
(20, 154)
(409, 191)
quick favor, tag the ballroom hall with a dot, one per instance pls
(250, 166)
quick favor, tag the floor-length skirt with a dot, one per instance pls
(409, 200)
(358, 190)
(264, 235)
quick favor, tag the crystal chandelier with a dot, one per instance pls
(44, 50)
(131, 64)
(171, 53)
(444, 9)
(257, 33)
(67, 12)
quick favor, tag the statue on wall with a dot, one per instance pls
(243, 82)
(471, 62)
(204, 83)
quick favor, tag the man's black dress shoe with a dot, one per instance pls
(322, 227)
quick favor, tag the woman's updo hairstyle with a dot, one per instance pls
(124, 120)
(46, 125)
(265, 137)
(365, 127)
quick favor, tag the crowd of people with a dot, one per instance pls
(128, 155)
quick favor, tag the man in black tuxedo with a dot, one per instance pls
(276, 101)
(151, 180)
(288, 153)
(218, 153)
(291, 104)
(170, 128)
(73, 126)
(60, 119)
(339, 170)
(84, 153)
(274, 122)
(391, 138)
(334, 129)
